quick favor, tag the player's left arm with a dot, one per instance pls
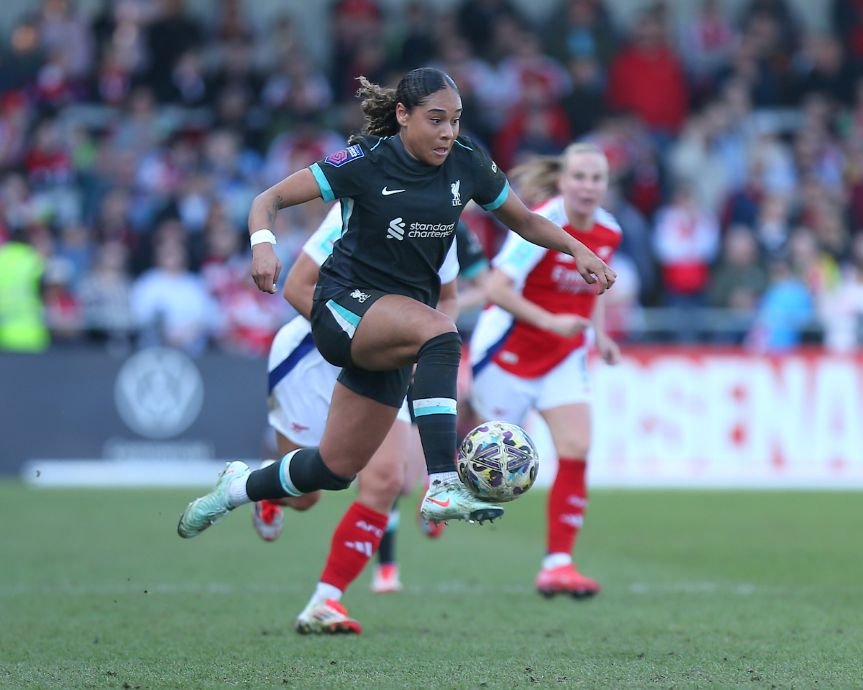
(605, 345)
(300, 284)
(448, 302)
(540, 230)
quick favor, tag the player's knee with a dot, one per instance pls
(444, 348)
(382, 483)
(329, 480)
(573, 447)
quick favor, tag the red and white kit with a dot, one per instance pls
(517, 366)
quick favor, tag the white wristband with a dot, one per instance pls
(260, 236)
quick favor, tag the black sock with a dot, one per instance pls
(307, 473)
(387, 548)
(434, 400)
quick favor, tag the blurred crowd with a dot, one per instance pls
(132, 142)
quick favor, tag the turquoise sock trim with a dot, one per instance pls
(285, 475)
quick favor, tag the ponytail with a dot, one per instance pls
(379, 103)
(535, 180)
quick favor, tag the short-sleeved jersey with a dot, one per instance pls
(399, 215)
(320, 244)
(549, 279)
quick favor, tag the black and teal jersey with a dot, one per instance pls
(399, 215)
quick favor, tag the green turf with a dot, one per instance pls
(751, 590)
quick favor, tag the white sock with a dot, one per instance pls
(555, 560)
(323, 592)
(237, 495)
(443, 477)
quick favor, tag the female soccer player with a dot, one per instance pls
(403, 185)
(301, 383)
(529, 350)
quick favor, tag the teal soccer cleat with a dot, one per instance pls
(209, 509)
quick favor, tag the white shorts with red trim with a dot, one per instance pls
(499, 395)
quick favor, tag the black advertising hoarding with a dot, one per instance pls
(155, 409)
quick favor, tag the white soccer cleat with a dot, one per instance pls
(209, 509)
(328, 617)
(450, 500)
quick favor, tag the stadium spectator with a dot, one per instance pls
(22, 323)
(171, 34)
(478, 20)
(62, 310)
(842, 312)
(737, 282)
(847, 24)
(581, 31)
(105, 295)
(415, 37)
(528, 352)
(171, 305)
(706, 40)
(785, 310)
(646, 79)
(686, 242)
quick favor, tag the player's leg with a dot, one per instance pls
(386, 573)
(356, 426)
(397, 330)
(357, 537)
(267, 515)
(385, 577)
(566, 410)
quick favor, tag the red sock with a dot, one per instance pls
(355, 541)
(566, 503)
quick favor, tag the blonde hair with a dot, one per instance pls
(536, 179)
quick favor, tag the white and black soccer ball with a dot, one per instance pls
(497, 461)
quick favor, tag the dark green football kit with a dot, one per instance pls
(399, 217)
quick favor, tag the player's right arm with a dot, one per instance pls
(505, 285)
(297, 188)
(501, 291)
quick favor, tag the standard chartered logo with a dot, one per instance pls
(396, 229)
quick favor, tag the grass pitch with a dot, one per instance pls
(716, 589)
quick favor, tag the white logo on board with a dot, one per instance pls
(159, 392)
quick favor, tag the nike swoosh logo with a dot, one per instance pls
(387, 192)
(442, 504)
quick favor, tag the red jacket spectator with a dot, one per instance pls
(647, 79)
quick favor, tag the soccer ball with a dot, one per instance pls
(497, 461)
